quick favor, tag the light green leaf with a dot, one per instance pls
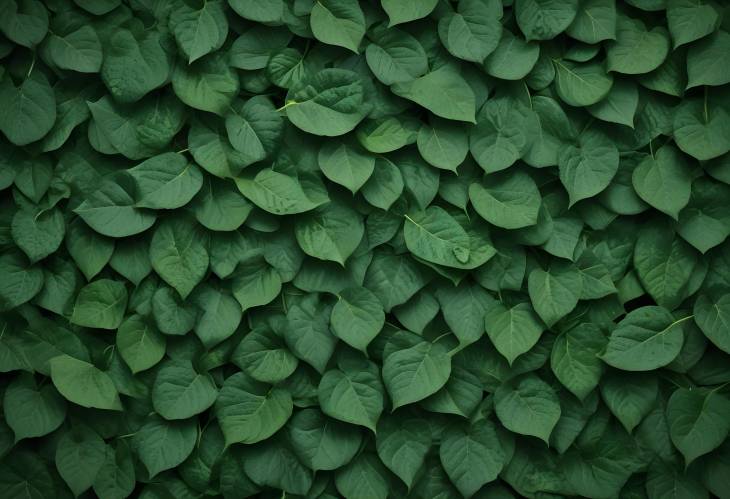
(394, 56)
(472, 33)
(690, 20)
(513, 58)
(140, 343)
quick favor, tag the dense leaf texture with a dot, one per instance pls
(364, 249)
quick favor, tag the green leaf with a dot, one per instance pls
(442, 144)
(278, 193)
(263, 11)
(331, 232)
(690, 20)
(574, 359)
(38, 234)
(80, 454)
(699, 129)
(508, 200)
(340, 23)
(555, 292)
(353, 392)
(702, 56)
(345, 164)
(25, 24)
(79, 50)
(414, 373)
(166, 181)
(472, 33)
(513, 330)
(31, 410)
(180, 392)
(364, 477)
(513, 58)
(435, 236)
(394, 56)
(646, 339)
(330, 103)
(403, 11)
(274, 464)
(140, 343)
(664, 264)
(162, 445)
(83, 384)
(208, 84)
(394, 279)
(636, 49)
(620, 104)
(704, 223)
(100, 304)
(528, 406)
(629, 398)
(544, 19)
(697, 422)
(30, 109)
(179, 255)
(322, 443)
(464, 308)
(588, 167)
(357, 317)
(402, 442)
(664, 180)
(249, 411)
(443, 92)
(199, 31)
(713, 318)
(595, 21)
(385, 185)
(262, 354)
(581, 84)
(219, 205)
(307, 334)
(134, 64)
(472, 455)
(110, 210)
(255, 283)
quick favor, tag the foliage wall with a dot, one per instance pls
(341, 248)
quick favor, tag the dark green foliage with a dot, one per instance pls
(364, 249)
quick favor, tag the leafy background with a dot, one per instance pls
(364, 249)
